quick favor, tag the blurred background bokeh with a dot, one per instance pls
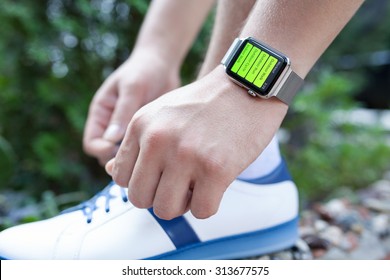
(54, 54)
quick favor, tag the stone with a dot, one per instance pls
(306, 230)
(387, 176)
(335, 207)
(357, 228)
(386, 244)
(301, 251)
(347, 220)
(370, 248)
(319, 253)
(349, 242)
(380, 224)
(333, 234)
(283, 255)
(382, 186)
(377, 205)
(264, 258)
(316, 242)
(322, 212)
(320, 225)
(335, 254)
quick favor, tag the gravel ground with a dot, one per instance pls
(353, 227)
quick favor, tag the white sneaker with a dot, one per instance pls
(255, 217)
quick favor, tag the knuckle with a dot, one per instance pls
(137, 201)
(100, 101)
(155, 137)
(136, 124)
(211, 165)
(203, 212)
(118, 179)
(165, 213)
(185, 152)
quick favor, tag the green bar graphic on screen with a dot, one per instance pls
(241, 58)
(266, 71)
(259, 63)
(250, 59)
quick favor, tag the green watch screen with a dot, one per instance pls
(256, 66)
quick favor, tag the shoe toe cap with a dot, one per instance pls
(35, 240)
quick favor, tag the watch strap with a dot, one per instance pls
(289, 89)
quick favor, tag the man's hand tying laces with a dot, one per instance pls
(141, 79)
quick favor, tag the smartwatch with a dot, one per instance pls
(262, 70)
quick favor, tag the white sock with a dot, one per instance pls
(269, 159)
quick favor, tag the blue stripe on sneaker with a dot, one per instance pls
(278, 175)
(178, 229)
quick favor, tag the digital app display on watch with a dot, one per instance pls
(262, 70)
(255, 66)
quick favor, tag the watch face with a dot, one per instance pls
(256, 66)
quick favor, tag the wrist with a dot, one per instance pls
(152, 58)
(235, 94)
(157, 52)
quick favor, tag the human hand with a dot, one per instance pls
(142, 78)
(182, 151)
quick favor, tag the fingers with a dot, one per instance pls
(173, 193)
(110, 112)
(167, 182)
(109, 166)
(130, 99)
(121, 168)
(206, 198)
(98, 116)
(102, 150)
(144, 181)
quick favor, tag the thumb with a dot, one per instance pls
(109, 166)
(125, 107)
(114, 132)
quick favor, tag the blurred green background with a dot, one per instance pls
(54, 54)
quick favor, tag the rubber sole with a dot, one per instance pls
(239, 246)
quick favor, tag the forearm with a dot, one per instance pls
(170, 27)
(229, 20)
(302, 29)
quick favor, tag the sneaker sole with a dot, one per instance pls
(240, 246)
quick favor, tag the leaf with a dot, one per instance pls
(7, 162)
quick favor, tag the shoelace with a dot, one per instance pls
(89, 206)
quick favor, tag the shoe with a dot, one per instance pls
(255, 217)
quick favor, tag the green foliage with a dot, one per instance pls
(7, 160)
(54, 56)
(367, 32)
(325, 150)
